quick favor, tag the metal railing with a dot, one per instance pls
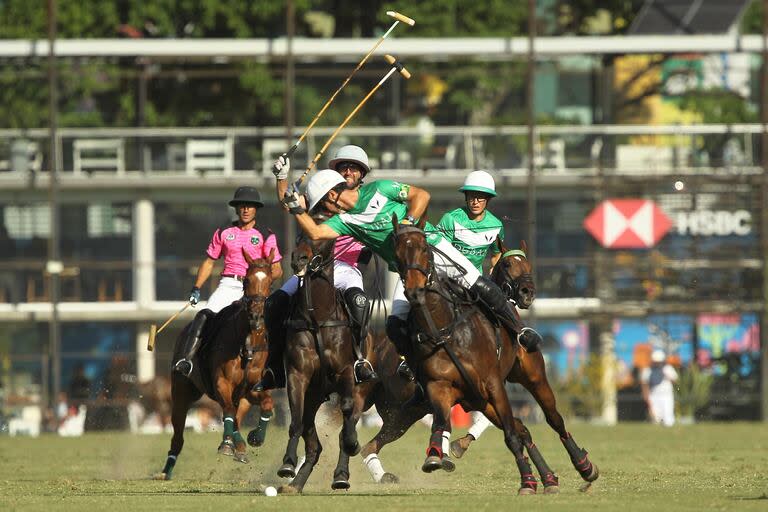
(574, 150)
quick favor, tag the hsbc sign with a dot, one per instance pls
(714, 223)
(627, 223)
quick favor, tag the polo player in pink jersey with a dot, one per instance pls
(352, 163)
(228, 243)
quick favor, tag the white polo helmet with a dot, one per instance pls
(320, 183)
(350, 153)
(479, 181)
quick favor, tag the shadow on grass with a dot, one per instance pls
(763, 496)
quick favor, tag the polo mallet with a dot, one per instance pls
(396, 66)
(398, 18)
(154, 331)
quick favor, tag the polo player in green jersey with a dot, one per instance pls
(366, 214)
(473, 230)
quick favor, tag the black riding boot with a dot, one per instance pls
(493, 297)
(357, 303)
(277, 308)
(397, 330)
(192, 343)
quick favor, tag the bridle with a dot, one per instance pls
(511, 287)
(429, 270)
(256, 320)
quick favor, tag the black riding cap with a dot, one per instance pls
(246, 195)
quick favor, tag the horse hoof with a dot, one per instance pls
(241, 457)
(161, 476)
(593, 475)
(447, 464)
(389, 478)
(552, 489)
(340, 484)
(287, 489)
(526, 491)
(226, 449)
(432, 463)
(287, 471)
(256, 437)
(456, 449)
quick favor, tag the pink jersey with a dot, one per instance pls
(230, 241)
(347, 250)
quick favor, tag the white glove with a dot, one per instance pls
(281, 167)
(292, 202)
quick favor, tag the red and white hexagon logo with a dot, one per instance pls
(627, 223)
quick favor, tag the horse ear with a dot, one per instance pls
(271, 255)
(500, 245)
(394, 222)
(524, 246)
(247, 256)
(422, 222)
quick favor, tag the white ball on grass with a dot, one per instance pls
(270, 491)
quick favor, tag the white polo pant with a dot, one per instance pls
(454, 264)
(228, 291)
(663, 407)
(345, 276)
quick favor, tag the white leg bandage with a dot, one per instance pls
(374, 466)
(479, 424)
(446, 442)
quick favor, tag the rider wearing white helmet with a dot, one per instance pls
(351, 166)
(473, 229)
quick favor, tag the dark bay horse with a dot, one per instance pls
(319, 357)
(460, 355)
(227, 365)
(514, 275)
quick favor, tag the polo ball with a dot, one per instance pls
(270, 491)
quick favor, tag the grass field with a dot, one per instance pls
(643, 467)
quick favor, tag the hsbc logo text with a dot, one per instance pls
(713, 223)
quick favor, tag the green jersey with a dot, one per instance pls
(472, 238)
(369, 221)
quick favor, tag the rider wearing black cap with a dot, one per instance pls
(229, 242)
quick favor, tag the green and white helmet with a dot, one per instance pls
(320, 184)
(479, 181)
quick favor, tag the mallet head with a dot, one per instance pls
(400, 68)
(401, 17)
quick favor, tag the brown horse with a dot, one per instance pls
(514, 275)
(227, 365)
(319, 358)
(460, 355)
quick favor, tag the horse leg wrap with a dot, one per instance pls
(229, 427)
(170, 462)
(548, 477)
(527, 479)
(579, 457)
(237, 437)
(374, 466)
(446, 441)
(436, 444)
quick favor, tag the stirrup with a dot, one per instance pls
(267, 381)
(184, 367)
(404, 371)
(364, 367)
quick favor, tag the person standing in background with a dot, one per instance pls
(656, 383)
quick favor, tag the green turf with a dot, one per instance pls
(643, 467)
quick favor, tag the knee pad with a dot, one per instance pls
(357, 301)
(397, 331)
(529, 339)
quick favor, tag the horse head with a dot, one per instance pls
(513, 274)
(312, 256)
(257, 283)
(413, 255)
